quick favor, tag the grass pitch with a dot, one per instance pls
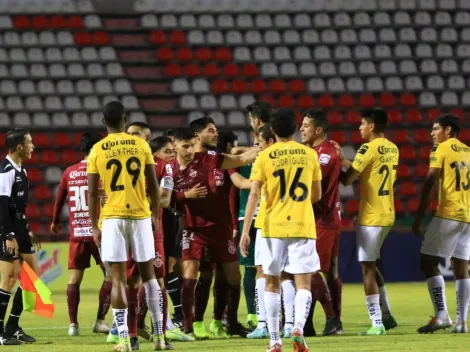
(410, 305)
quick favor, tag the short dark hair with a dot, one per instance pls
(201, 123)
(184, 134)
(225, 137)
(449, 120)
(261, 110)
(139, 124)
(377, 116)
(283, 122)
(158, 143)
(113, 113)
(88, 141)
(267, 132)
(15, 137)
(319, 117)
(170, 132)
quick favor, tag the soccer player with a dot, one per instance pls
(448, 234)
(207, 223)
(292, 177)
(15, 235)
(123, 163)
(327, 219)
(140, 129)
(376, 164)
(74, 187)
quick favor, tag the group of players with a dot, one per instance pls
(196, 218)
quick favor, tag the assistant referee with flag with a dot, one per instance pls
(16, 239)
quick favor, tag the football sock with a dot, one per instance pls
(202, 295)
(165, 309)
(288, 300)
(142, 308)
(322, 294)
(436, 287)
(73, 300)
(4, 300)
(221, 292)
(249, 283)
(104, 300)
(303, 301)
(173, 286)
(155, 305)
(120, 317)
(384, 303)
(273, 308)
(16, 309)
(131, 294)
(259, 300)
(233, 302)
(373, 307)
(336, 290)
(187, 300)
(169, 323)
(463, 299)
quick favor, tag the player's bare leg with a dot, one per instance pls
(9, 275)
(336, 289)
(321, 293)
(303, 300)
(272, 301)
(462, 286)
(261, 330)
(388, 320)
(154, 302)
(369, 276)
(190, 270)
(436, 288)
(288, 302)
(73, 299)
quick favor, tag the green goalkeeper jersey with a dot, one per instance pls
(245, 171)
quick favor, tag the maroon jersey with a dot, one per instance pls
(327, 209)
(165, 178)
(214, 208)
(74, 186)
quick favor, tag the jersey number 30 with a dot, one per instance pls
(132, 167)
(293, 187)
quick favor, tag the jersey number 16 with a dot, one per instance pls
(293, 187)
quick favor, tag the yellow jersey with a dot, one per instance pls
(453, 158)
(120, 161)
(288, 170)
(377, 162)
(259, 222)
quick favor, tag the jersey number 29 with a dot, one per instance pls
(132, 167)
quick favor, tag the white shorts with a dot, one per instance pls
(446, 239)
(292, 255)
(259, 245)
(369, 240)
(120, 234)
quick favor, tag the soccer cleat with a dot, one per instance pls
(298, 341)
(374, 331)
(113, 336)
(217, 329)
(261, 333)
(237, 329)
(332, 325)
(435, 324)
(74, 330)
(224, 317)
(200, 332)
(389, 322)
(101, 327)
(252, 321)
(287, 332)
(144, 333)
(135, 345)
(275, 348)
(168, 345)
(159, 343)
(177, 335)
(19, 334)
(459, 328)
(178, 321)
(6, 341)
(124, 345)
(339, 331)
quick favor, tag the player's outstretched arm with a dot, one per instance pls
(235, 161)
(250, 209)
(241, 150)
(430, 183)
(316, 191)
(239, 181)
(154, 191)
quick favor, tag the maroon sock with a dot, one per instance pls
(187, 302)
(203, 291)
(321, 293)
(131, 294)
(220, 297)
(73, 300)
(165, 308)
(232, 304)
(336, 289)
(104, 300)
(142, 308)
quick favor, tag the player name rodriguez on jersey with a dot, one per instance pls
(377, 162)
(453, 158)
(120, 161)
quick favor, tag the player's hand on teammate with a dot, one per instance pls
(197, 191)
(339, 150)
(12, 247)
(237, 150)
(416, 228)
(97, 237)
(35, 240)
(244, 244)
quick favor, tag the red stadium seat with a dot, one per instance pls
(173, 70)
(394, 116)
(338, 136)
(286, 101)
(306, 101)
(158, 37)
(425, 151)
(250, 70)
(231, 69)
(204, 54)
(258, 86)
(366, 100)
(21, 22)
(240, 86)
(39, 22)
(82, 38)
(41, 140)
(2, 140)
(193, 70)
(34, 175)
(346, 101)
(32, 211)
(277, 86)
(387, 99)
(464, 136)
(407, 99)
(403, 171)
(76, 139)
(413, 205)
(220, 86)
(296, 86)
(223, 54)
(458, 112)
(58, 22)
(335, 118)
(353, 117)
(165, 54)
(211, 70)
(69, 157)
(352, 206)
(35, 158)
(100, 38)
(414, 116)
(421, 170)
(36, 227)
(433, 113)
(356, 137)
(42, 192)
(407, 152)
(75, 22)
(408, 188)
(49, 157)
(62, 140)
(48, 210)
(422, 136)
(400, 136)
(184, 54)
(268, 99)
(399, 208)
(326, 101)
(177, 38)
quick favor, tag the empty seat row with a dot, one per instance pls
(54, 54)
(46, 38)
(56, 22)
(329, 36)
(211, 102)
(46, 6)
(319, 20)
(22, 71)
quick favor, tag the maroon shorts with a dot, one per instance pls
(159, 262)
(327, 246)
(80, 254)
(212, 244)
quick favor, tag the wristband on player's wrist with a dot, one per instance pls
(10, 236)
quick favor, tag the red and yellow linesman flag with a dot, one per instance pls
(36, 295)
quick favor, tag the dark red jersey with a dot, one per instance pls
(165, 178)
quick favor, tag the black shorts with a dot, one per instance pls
(25, 245)
(173, 232)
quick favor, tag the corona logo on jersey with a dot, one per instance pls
(77, 173)
(49, 266)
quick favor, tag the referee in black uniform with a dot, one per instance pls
(16, 239)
